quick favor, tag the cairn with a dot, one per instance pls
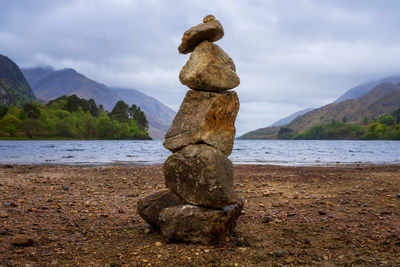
(200, 205)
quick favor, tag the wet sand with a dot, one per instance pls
(309, 216)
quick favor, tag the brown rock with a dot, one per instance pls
(211, 30)
(209, 68)
(149, 207)
(201, 175)
(195, 224)
(208, 18)
(204, 117)
(22, 240)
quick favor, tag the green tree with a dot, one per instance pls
(120, 112)
(92, 108)
(32, 127)
(387, 119)
(141, 119)
(10, 124)
(396, 115)
(31, 111)
(3, 111)
(286, 133)
(104, 126)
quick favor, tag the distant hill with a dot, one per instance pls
(364, 88)
(49, 84)
(14, 89)
(290, 118)
(156, 112)
(383, 99)
(270, 132)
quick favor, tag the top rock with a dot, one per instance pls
(211, 30)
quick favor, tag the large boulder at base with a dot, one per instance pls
(209, 68)
(201, 175)
(204, 117)
(189, 223)
(211, 30)
(149, 207)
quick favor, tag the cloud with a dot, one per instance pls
(289, 54)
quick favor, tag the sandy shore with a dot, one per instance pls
(86, 216)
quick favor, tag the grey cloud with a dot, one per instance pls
(289, 54)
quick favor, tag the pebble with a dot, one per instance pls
(10, 204)
(279, 253)
(322, 212)
(3, 231)
(398, 195)
(267, 219)
(22, 240)
(158, 244)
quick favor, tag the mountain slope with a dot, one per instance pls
(34, 75)
(48, 83)
(364, 88)
(69, 82)
(290, 118)
(159, 116)
(270, 132)
(14, 89)
(383, 99)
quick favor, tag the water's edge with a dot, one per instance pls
(274, 152)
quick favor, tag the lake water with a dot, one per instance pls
(278, 152)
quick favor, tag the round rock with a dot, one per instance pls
(211, 30)
(209, 68)
(189, 223)
(201, 175)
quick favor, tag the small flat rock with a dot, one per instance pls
(204, 117)
(211, 30)
(201, 175)
(22, 240)
(149, 207)
(189, 223)
(209, 68)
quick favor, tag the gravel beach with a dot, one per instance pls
(345, 215)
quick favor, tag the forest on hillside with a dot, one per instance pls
(70, 117)
(384, 127)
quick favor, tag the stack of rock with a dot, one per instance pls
(200, 204)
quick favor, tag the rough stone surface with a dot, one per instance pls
(149, 207)
(201, 175)
(189, 223)
(211, 30)
(204, 117)
(209, 68)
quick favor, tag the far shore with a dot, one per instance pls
(342, 215)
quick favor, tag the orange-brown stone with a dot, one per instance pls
(204, 117)
(209, 68)
(211, 30)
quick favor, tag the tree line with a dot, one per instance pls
(73, 118)
(384, 127)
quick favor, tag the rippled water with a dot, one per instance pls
(279, 152)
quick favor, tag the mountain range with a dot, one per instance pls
(290, 118)
(383, 99)
(48, 83)
(369, 100)
(14, 89)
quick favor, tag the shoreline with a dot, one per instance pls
(86, 216)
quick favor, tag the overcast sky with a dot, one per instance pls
(289, 55)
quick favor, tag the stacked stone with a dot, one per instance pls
(200, 204)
